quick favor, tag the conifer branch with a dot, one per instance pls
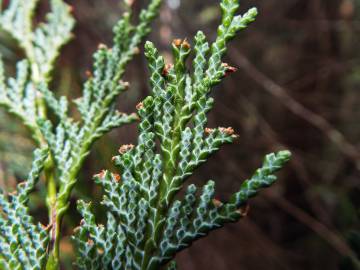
(146, 225)
(70, 141)
(22, 243)
(41, 45)
(28, 97)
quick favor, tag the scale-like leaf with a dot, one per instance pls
(150, 225)
(22, 242)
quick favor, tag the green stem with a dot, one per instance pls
(58, 203)
(53, 262)
(51, 185)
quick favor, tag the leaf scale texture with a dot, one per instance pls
(146, 226)
(22, 242)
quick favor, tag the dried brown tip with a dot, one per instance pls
(229, 131)
(71, 9)
(244, 210)
(186, 44)
(140, 106)
(100, 251)
(177, 42)
(217, 203)
(116, 177)
(90, 242)
(125, 148)
(228, 69)
(88, 74)
(102, 46)
(209, 130)
(182, 43)
(100, 174)
(166, 69)
(125, 84)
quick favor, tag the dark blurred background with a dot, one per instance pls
(297, 88)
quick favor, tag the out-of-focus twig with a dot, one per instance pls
(348, 149)
(320, 229)
(330, 236)
(296, 161)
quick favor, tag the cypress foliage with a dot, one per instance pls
(22, 242)
(68, 142)
(146, 223)
(146, 226)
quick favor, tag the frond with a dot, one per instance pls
(41, 44)
(146, 225)
(22, 242)
(70, 141)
